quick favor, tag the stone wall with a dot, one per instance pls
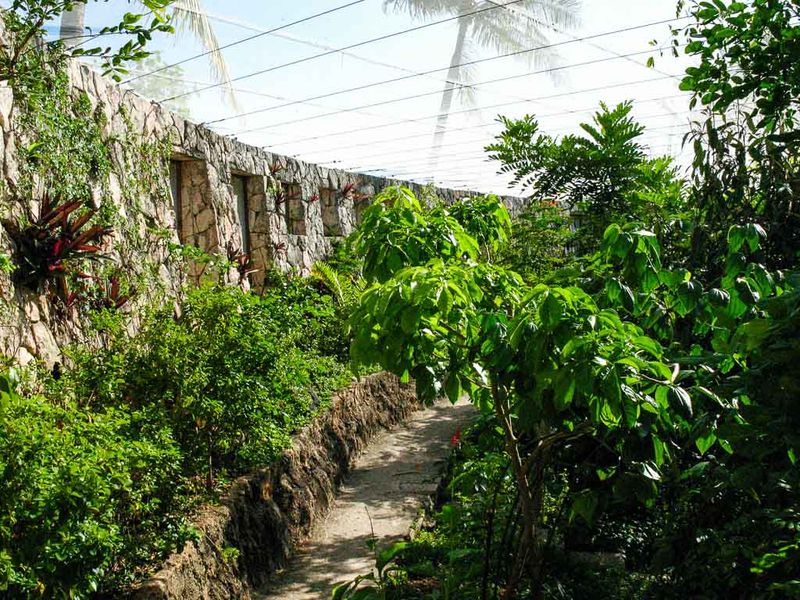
(252, 532)
(294, 210)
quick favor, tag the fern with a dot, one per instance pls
(344, 288)
(330, 278)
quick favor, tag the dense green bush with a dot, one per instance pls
(88, 497)
(100, 469)
(234, 374)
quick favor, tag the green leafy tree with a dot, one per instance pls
(187, 16)
(600, 177)
(25, 21)
(540, 241)
(747, 80)
(549, 364)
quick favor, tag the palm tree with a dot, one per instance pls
(504, 29)
(188, 16)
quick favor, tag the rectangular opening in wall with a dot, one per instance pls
(175, 189)
(331, 222)
(359, 206)
(242, 210)
(294, 209)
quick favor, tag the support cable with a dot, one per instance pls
(353, 55)
(477, 153)
(338, 163)
(242, 41)
(437, 115)
(415, 136)
(419, 74)
(526, 15)
(348, 47)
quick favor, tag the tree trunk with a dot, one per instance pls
(528, 553)
(447, 93)
(73, 25)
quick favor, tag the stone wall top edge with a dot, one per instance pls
(196, 138)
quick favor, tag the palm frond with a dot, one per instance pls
(428, 9)
(466, 75)
(506, 31)
(190, 16)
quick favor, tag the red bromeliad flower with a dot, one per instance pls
(456, 437)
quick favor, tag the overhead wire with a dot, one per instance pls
(424, 73)
(345, 53)
(348, 47)
(463, 111)
(477, 161)
(415, 136)
(436, 92)
(481, 182)
(361, 108)
(525, 14)
(449, 163)
(346, 163)
(261, 94)
(244, 40)
(477, 153)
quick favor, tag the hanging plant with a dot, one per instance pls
(350, 191)
(104, 292)
(282, 196)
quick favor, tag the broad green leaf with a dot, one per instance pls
(706, 441)
(658, 450)
(682, 398)
(648, 344)
(565, 391)
(585, 506)
(551, 311)
(452, 388)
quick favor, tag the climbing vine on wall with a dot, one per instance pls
(76, 150)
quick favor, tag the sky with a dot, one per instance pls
(386, 127)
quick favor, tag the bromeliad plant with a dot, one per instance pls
(61, 237)
(103, 293)
(242, 261)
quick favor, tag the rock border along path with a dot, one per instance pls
(383, 494)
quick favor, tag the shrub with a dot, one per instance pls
(99, 470)
(234, 375)
(87, 497)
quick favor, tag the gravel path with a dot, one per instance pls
(388, 485)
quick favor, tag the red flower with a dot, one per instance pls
(456, 437)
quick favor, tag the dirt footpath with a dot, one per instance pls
(384, 493)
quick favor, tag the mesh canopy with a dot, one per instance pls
(409, 88)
